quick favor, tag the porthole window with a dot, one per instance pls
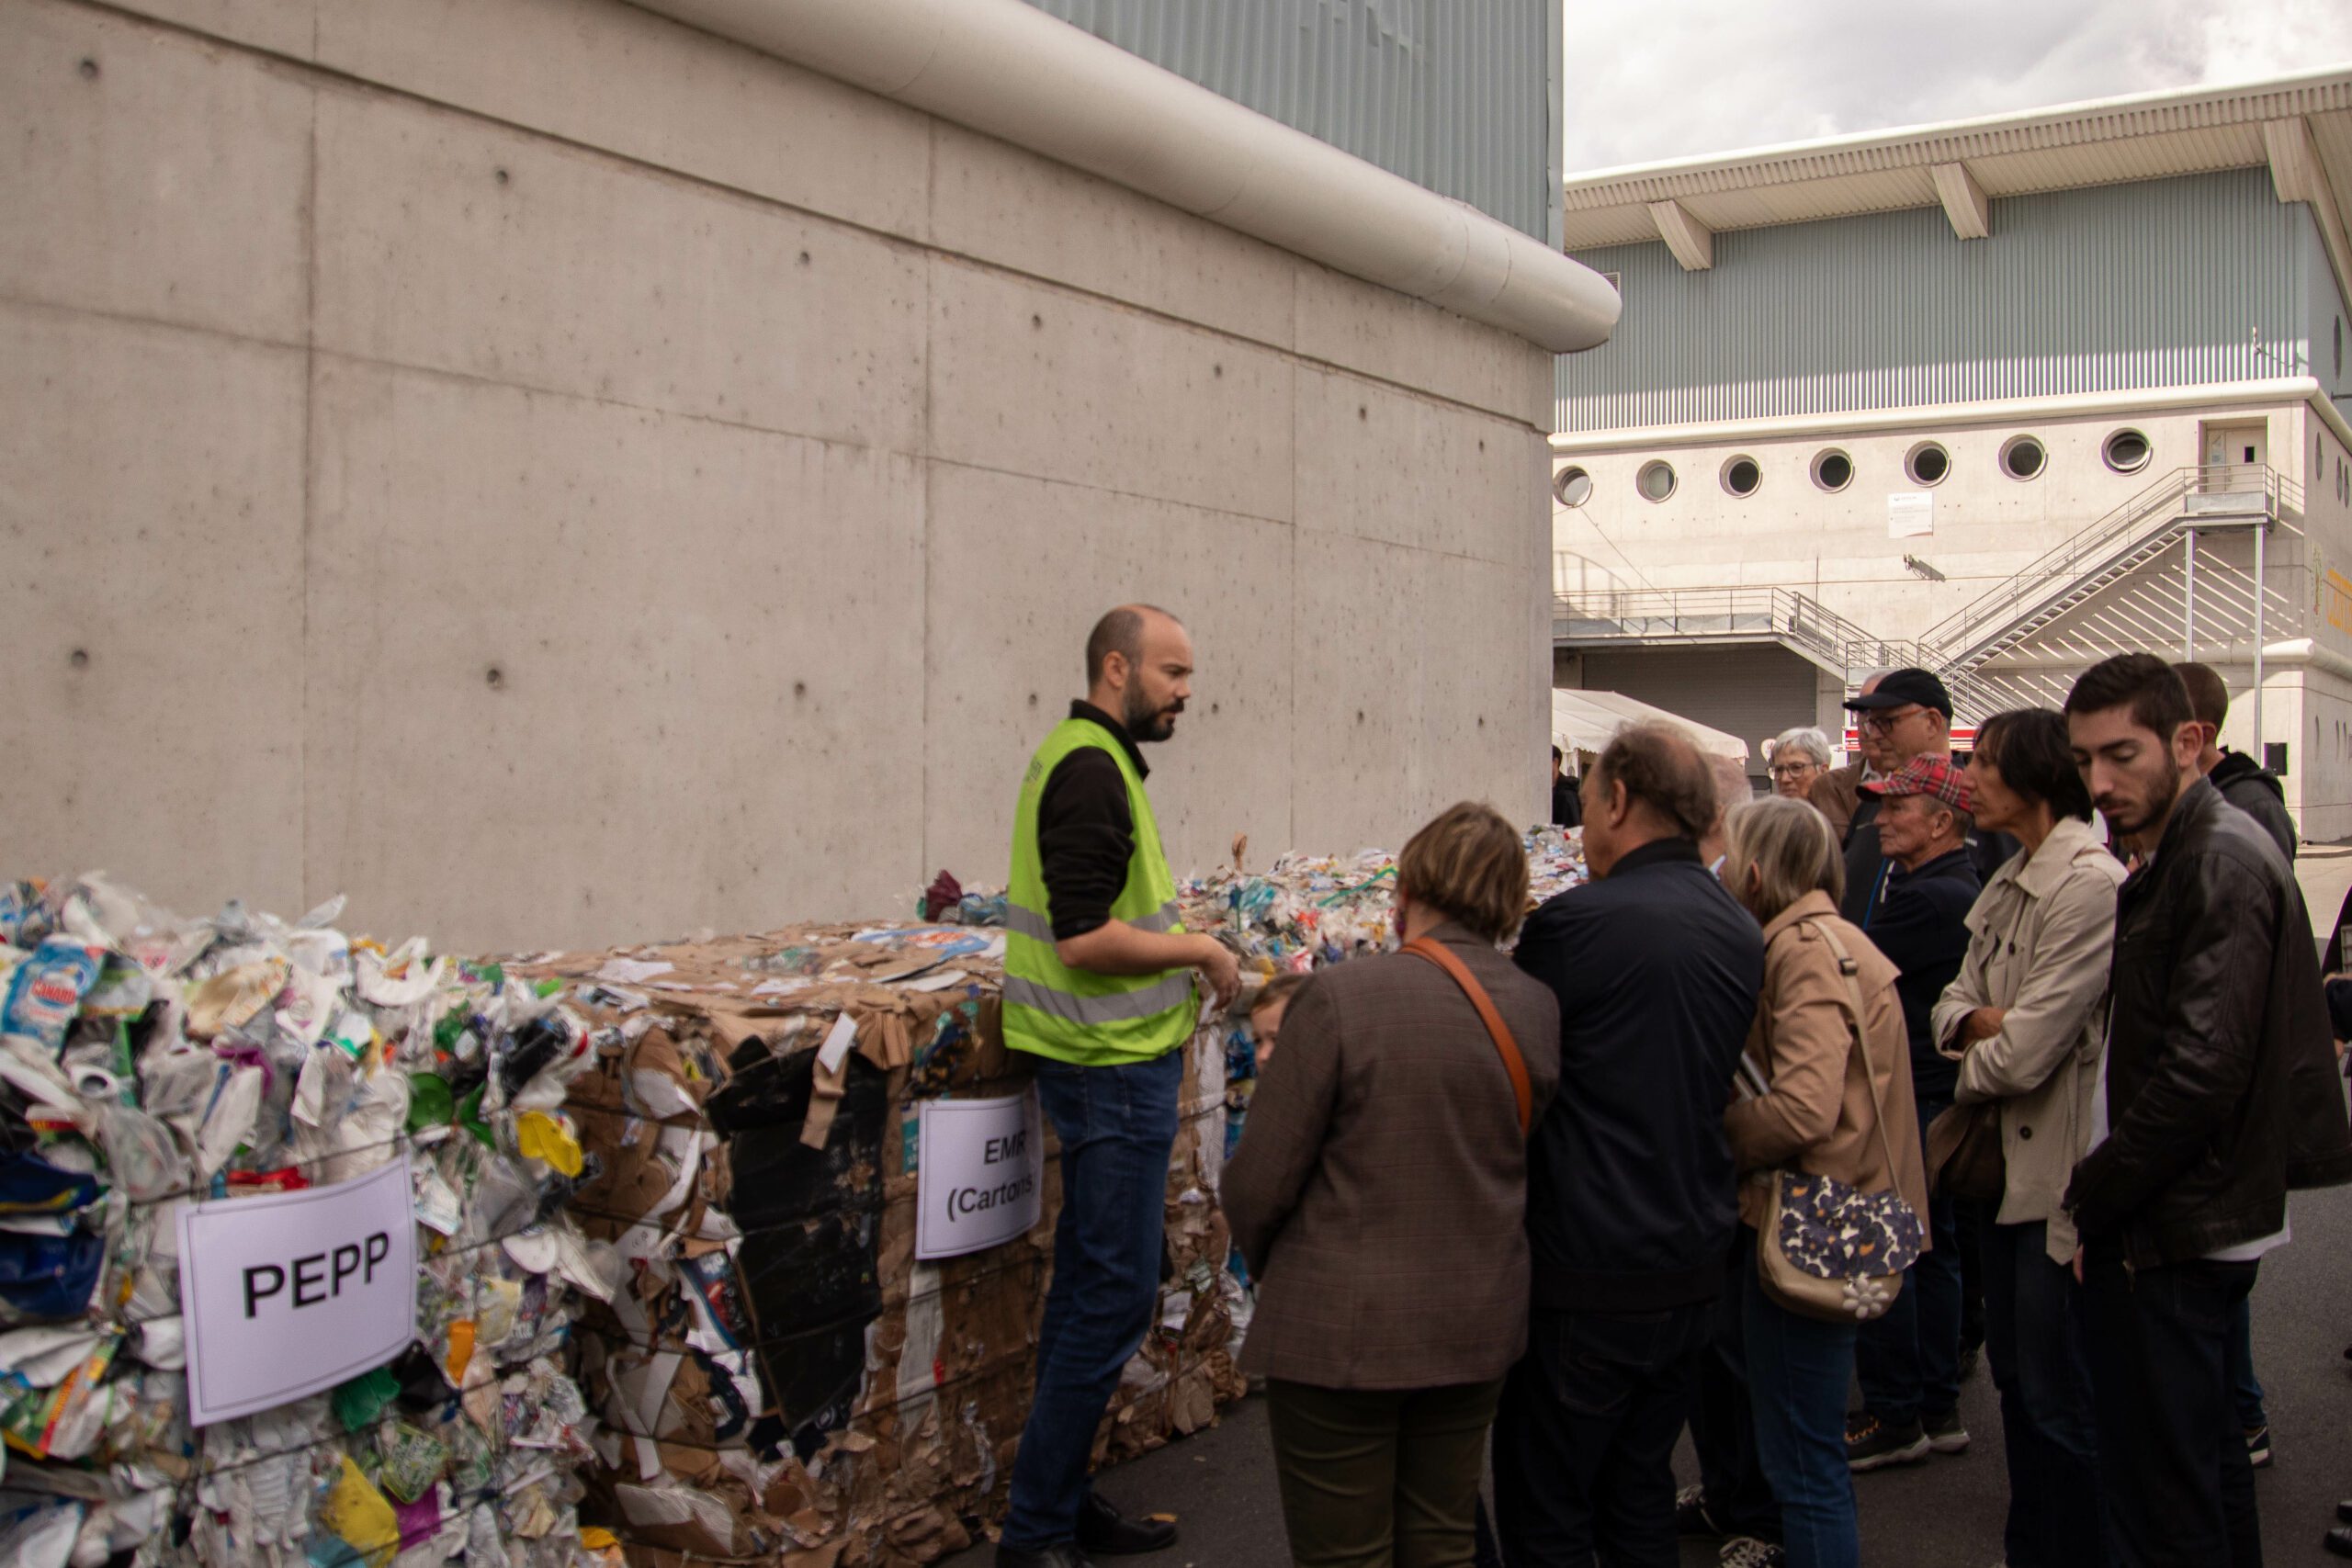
(1927, 464)
(1573, 486)
(2023, 457)
(2127, 451)
(1833, 470)
(1741, 476)
(1656, 482)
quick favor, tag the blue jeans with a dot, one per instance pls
(1908, 1362)
(1797, 1373)
(1117, 1126)
(2034, 1329)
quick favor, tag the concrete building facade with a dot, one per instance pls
(562, 475)
(1977, 397)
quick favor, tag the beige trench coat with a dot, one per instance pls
(2041, 941)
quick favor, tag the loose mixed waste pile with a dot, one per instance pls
(148, 1062)
(666, 1231)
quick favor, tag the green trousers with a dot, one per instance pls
(1380, 1478)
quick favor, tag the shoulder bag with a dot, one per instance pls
(1826, 1250)
(1435, 952)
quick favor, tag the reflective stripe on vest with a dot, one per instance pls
(1077, 1015)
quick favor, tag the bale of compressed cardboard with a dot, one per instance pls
(779, 1378)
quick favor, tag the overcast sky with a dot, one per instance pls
(1652, 79)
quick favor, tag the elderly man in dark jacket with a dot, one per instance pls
(2218, 1095)
(1631, 1200)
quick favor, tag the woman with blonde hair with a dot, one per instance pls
(1379, 1197)
(1826, 1051)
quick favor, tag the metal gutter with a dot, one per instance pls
(1010, 71)
(2285, 388)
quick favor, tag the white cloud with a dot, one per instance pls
(1674, 78)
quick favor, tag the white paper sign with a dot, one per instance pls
(980, 1166)
(1910, 514)
(288, 1293)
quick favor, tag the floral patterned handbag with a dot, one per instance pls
(1826, 1250)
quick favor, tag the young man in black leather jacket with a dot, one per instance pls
(2217, 1095)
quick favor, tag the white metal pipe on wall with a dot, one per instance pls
(1010, 71)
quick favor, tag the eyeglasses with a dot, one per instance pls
(1880, 723)
(1791, 770)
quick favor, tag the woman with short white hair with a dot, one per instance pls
(1796, 758)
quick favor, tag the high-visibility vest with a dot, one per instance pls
(1076, 1015)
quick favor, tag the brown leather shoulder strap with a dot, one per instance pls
(1506, 1048)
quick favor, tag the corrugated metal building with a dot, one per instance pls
(1999, 397)
(1462, 96)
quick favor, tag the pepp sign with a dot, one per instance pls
(288, 1293)
(980, 1166)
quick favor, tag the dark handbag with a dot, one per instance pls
(1964, 1155)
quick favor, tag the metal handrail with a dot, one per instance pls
(1951, 639)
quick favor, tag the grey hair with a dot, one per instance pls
(1806, 742)
(1792, 850)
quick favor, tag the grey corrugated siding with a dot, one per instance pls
(1453, 95)
(2158, 283)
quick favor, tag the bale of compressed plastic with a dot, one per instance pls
(780, 1378)
(149, 1063)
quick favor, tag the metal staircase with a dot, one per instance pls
(2214, 497)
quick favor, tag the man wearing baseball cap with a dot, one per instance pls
(1906, 714)
(1908, 1362)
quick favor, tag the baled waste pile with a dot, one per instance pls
(151, 1064)
(781, 1377)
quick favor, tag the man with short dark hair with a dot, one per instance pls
(1631, 1202)
(2218, 1094)
(1567, 810)
(1098, 990)
(1908, 1360)
(2244, 783)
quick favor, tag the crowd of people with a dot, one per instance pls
(1796, 1093)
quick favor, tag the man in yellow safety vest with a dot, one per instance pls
(1098, 987)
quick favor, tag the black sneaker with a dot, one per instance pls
(1872, 1444)
(1103, 1531)
(1747, 1551)
(1945, 1434)
(2257, 1446)
(1690, 1515)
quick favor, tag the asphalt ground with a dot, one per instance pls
(1945, 1513)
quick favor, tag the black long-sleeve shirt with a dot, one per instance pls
(1921, 924)
(1086, 834)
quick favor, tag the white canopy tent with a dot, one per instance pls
(1584, 721)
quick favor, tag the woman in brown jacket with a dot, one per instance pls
(1379, 1197)
(1818, 1113)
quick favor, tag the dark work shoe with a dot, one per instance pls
(1690, 1517)
(1872, 1444)
(2257, 1446)
(2338, 1540)
(1945, 1433)
(1103, 1531)
(1970, 1356)
(1748, 1551)
(1064, 1554)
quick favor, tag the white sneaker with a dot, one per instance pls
(1747, 1551)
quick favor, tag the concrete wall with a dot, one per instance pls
(564, 478)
